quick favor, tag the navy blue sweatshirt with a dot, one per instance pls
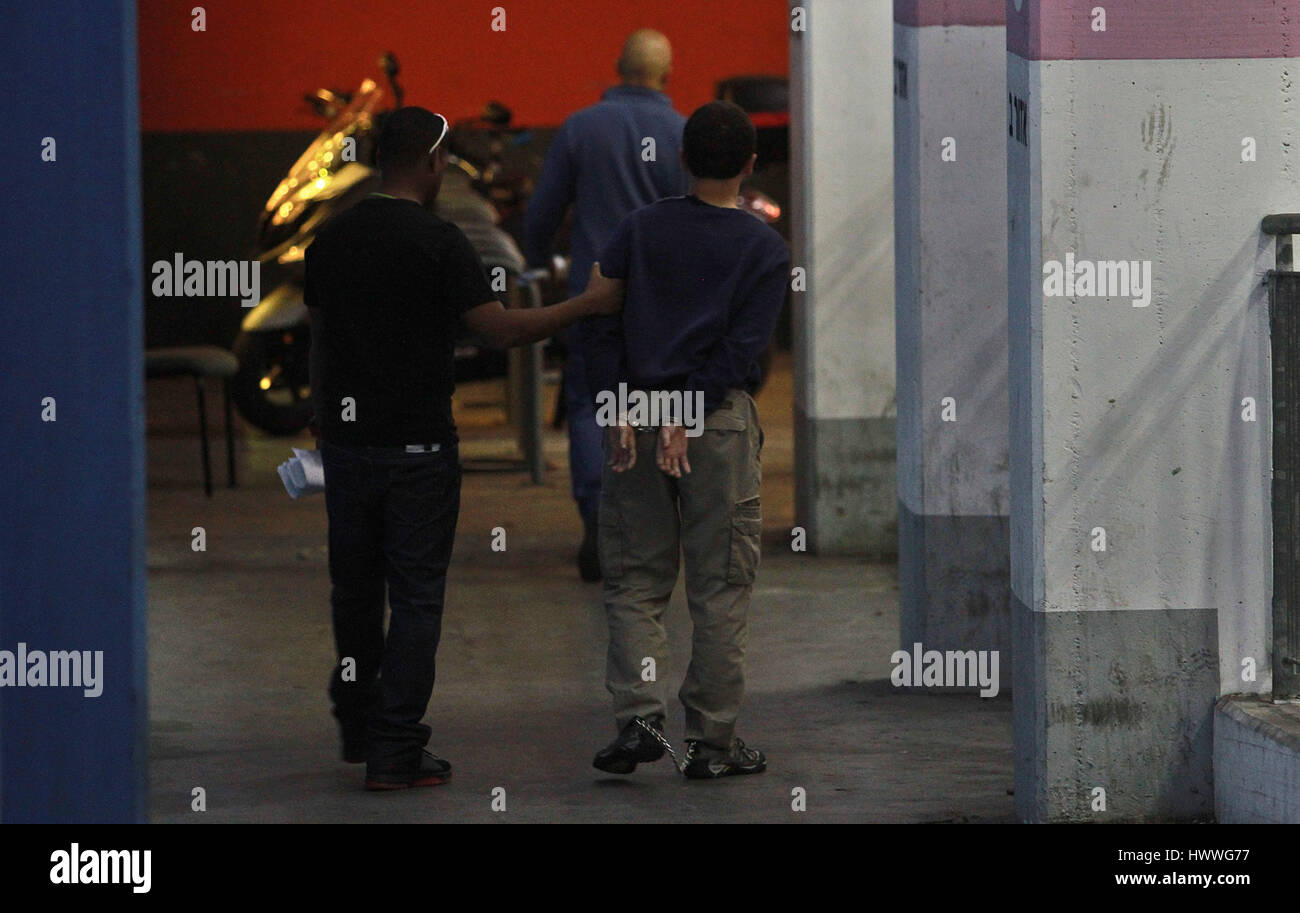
(705, 285)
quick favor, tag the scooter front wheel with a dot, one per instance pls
(272, 388)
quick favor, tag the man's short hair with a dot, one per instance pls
(718, 140)
(406, 137)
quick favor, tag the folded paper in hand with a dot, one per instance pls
(304, 474)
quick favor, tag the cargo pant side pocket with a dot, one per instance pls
(746, 541)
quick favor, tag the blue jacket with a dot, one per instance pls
(597, 162)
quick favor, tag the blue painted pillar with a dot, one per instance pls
(72, 533)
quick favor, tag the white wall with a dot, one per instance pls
(1141, 432)
(842, 176)
(843, 236)
(952, 232)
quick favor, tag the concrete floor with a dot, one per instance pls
(240, 648)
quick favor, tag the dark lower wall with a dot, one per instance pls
(1120, 701)
(202, 194)
(954, 586)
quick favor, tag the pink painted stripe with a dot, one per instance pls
(950, 12)
(1153, 29)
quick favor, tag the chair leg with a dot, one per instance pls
(203, 436)
(230, 435)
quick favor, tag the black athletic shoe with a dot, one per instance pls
(704, 762)
(430, 771)
(589, 553)
(632, 747)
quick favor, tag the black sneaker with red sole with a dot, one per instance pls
(431, 771)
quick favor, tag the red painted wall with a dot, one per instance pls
(249, 70)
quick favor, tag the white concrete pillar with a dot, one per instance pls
(842, 187)
(950, 215)
(1141, 134)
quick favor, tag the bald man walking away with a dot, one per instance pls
(606, 161)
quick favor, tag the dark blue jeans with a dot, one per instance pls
(585, 454)
(392, 522)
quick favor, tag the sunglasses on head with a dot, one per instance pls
(442, 135)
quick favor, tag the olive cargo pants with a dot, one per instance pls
(712, 518)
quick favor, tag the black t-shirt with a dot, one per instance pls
(387, 284)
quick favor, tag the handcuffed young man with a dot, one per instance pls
(705, 283)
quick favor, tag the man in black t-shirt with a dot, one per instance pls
(388, 284)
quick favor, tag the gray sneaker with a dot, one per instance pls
(704, 762)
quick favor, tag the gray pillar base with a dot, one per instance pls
(954, 583)
(846, 492)
(1117, 699)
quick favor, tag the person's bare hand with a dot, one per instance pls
(606, 294)
(670, 454)
(622, 448)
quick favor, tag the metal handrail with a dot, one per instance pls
(1284, 337)
(1283, 223)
